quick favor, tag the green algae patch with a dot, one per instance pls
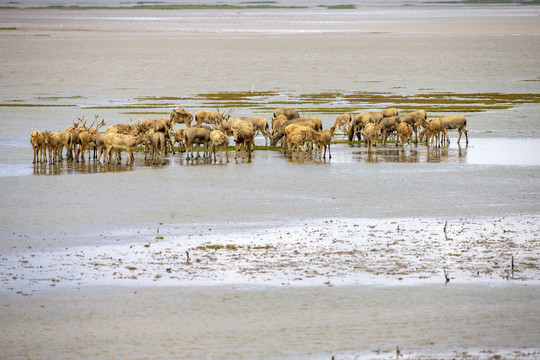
(161, 113)
(341, 7)
(330, 103)
(234, 97)
(334, 102)
(18, 104)
(219, 247)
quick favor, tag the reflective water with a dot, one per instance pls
(483, 151)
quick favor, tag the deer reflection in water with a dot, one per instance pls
(71, 167)
(415, 154)
(389, 155)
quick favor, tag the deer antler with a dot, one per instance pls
(102, 123)
(83, 122)
(93, 122)
(228, 114)
(216, 123)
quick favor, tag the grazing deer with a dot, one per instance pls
(122, 142)
(404, 131)
(197, 135)
(288, 113)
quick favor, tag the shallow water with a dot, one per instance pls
(93, 58)
(362, 322)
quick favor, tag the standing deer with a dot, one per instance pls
(37, 142)
(180, 116)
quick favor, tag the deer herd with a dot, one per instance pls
(300, 136)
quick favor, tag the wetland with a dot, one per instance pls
(345, 257)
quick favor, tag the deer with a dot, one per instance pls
(388, 125)
(53, 143)
(122, 142)
(322, 140)
(281, 131)
(212, 117)
(455, 122)
(260, 125)
(243, 139)
(411, 119)
(343, 122)
(433, 130)
(178, 136)
(371, 133)
(197, 135)
(87, 138)
(37, 142)
(287, 112)
(390, 112)
(357, 125)
(218, 139)
(157, 141)
(404, 132)
(180, 116)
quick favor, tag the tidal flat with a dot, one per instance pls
(418, 253)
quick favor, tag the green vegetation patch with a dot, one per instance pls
(235, 95)
(34, 105)
(308, 104)
(341, 7)
(219, 246)
(162, 98)
(144, 106)
(233, 247)
(160, 113)
(335, 102)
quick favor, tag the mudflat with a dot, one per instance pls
(347, 257)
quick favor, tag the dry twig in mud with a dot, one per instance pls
(446, 276)
(512, 266)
